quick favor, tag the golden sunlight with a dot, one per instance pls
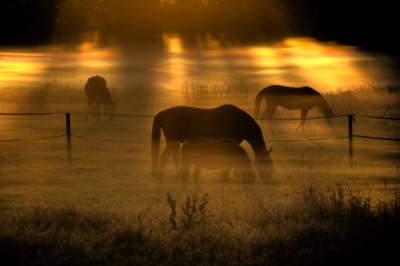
(91, 56)
(95, 59)
(267, 59)
(20, 66)
(325, 65)
(173, 43)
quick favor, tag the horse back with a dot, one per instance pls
(292, 97)
(279, 90)
(227, 121)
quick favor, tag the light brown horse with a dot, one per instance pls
(303, 98)
(98, 98)
(227, 121)
(216, 154)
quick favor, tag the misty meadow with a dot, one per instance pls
(198, 133)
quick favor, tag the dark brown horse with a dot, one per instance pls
(98, 98)
(291, 98)
(227, 121)
(216, 154)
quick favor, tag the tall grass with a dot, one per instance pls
(54, 96)
(367, 98)
(323, 226)
(195, 93)
(51, 96)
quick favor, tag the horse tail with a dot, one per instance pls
(257, 103)
(155, 145)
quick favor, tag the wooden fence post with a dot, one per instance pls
(350, 136)
(68, 135)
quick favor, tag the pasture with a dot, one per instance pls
(110, 171)
(111, 159)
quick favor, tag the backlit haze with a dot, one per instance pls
(156, 55)
(293, 61)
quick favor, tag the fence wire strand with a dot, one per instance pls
(132, 115)
(110, 140)
(151, 116)
(28, 114)
(305, 140)
(307, 118)
(32, 139)
(376, 138)
(379, 117)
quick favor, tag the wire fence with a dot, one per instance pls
(307, 118)
(375, 137)
(68, 131)
(28, 114)
(69, 135)
(380, 117)
(33, 139)
(109, 140)
(32, 115)
(306, 140)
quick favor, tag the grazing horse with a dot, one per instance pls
(98, 98)
(303, 98)
(215, 154)
(227, 121)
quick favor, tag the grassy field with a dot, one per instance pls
(104, 208)
(319, 226)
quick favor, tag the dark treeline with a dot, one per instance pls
(355, 22)
(137, 19)
(25, 21)
(371, 24)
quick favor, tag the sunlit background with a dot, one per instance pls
(293, 61)
(158, 54)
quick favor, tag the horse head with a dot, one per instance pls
(264, 164)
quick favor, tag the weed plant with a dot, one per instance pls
(323, 226)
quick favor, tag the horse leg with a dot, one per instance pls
(196, 173)
(303, 119)
(172, 149)
(96, 110)
(101, 111)
(237, 174)
(248, 176)
(225, 176)
(88, 107)
(240, 174)
(185, 171)
(163, 160)
(175, 151)
(268, 114)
